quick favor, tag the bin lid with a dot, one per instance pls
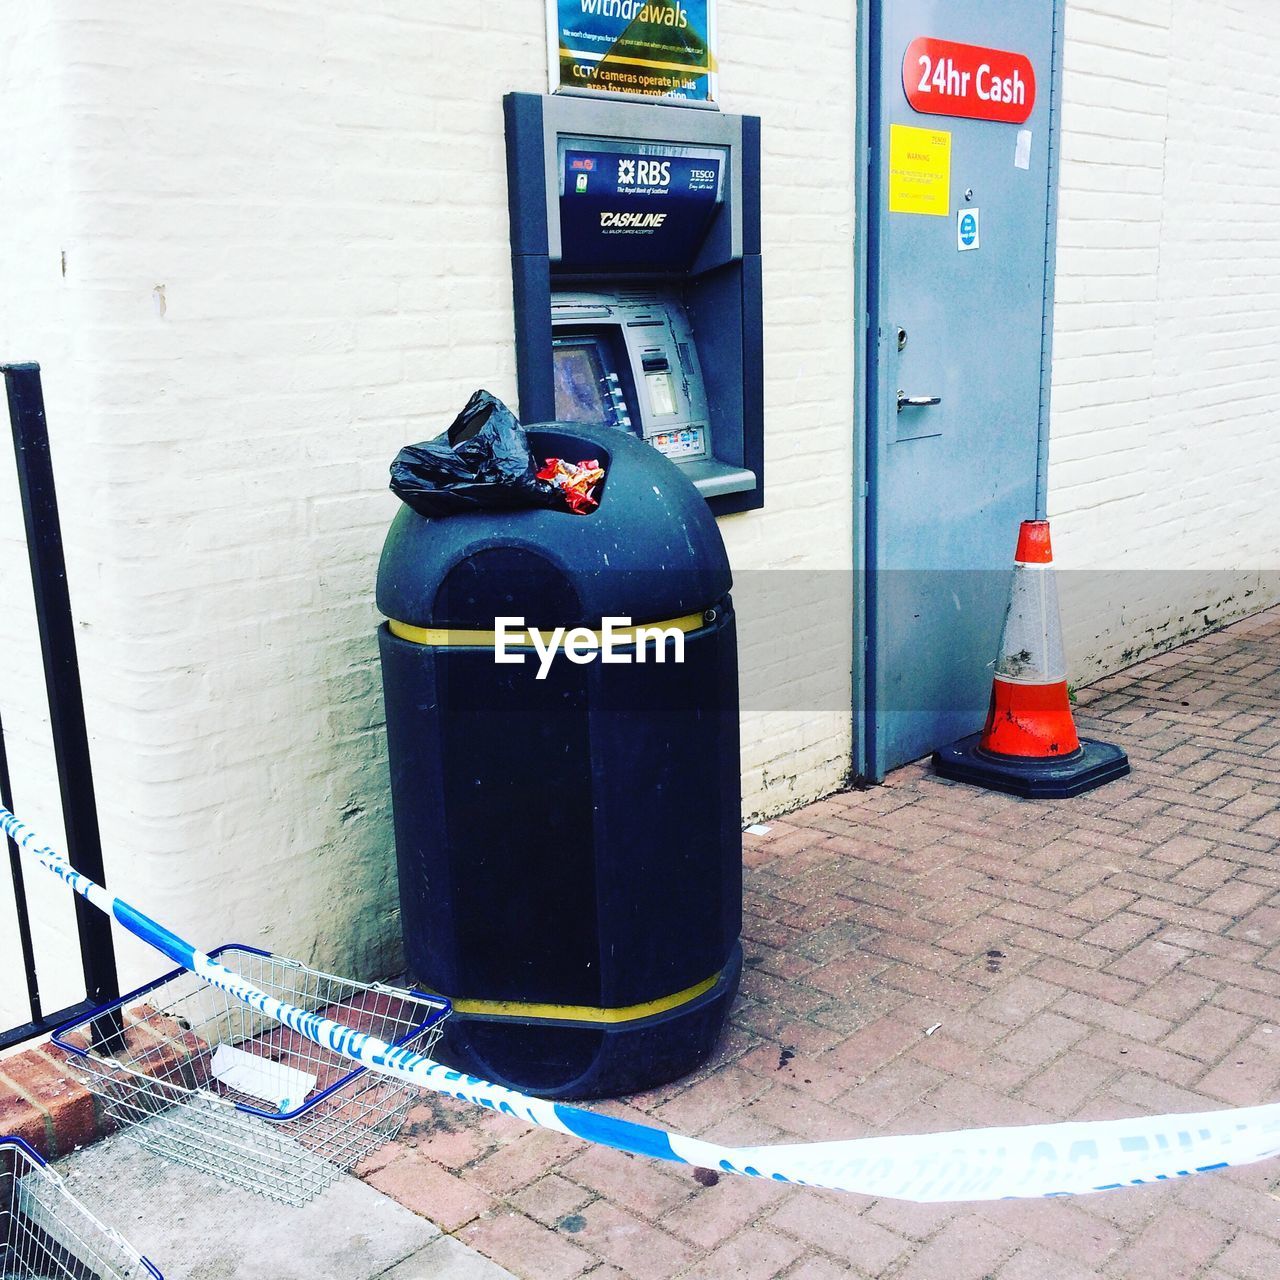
(650, 552)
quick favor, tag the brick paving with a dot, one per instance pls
(1105, 956)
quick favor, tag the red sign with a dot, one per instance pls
(943, 78)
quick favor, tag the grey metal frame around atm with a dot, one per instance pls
(722, 290)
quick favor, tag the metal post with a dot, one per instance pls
(61, 667)
(20, 893)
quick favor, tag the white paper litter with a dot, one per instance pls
(1022, 150)
(285, 1088)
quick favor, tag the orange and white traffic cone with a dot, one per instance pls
(1029, 745)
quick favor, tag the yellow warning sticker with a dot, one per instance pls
(919, 170)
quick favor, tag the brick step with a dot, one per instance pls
(42, 1102)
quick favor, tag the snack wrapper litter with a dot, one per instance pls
(576, 481)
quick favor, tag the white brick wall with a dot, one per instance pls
(37, 318)
(287, 255)
(1165, 457)
(795, 640)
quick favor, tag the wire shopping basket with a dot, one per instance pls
(202, 1079)
(47, 1234)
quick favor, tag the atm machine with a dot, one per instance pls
(635, 249)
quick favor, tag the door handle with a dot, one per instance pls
(916, 402)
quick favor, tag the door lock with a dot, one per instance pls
(916, 402)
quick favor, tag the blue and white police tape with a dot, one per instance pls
(969, 1164)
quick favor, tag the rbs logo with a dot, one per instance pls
(644, 173)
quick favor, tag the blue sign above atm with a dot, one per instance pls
(648, 210)
(657, 48)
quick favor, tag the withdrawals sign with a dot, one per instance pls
(919, 170)
(659, 48)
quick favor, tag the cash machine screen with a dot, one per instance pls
(581, 394)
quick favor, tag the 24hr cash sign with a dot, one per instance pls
(943, 78)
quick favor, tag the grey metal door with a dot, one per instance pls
(959, 284)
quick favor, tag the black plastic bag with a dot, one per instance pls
(483, 462)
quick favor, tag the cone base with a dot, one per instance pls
(1054, 778)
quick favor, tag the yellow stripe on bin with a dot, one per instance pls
(584, 1012)
(463, 637)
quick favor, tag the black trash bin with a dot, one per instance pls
(569, 846)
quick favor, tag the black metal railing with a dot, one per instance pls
(66, 713)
